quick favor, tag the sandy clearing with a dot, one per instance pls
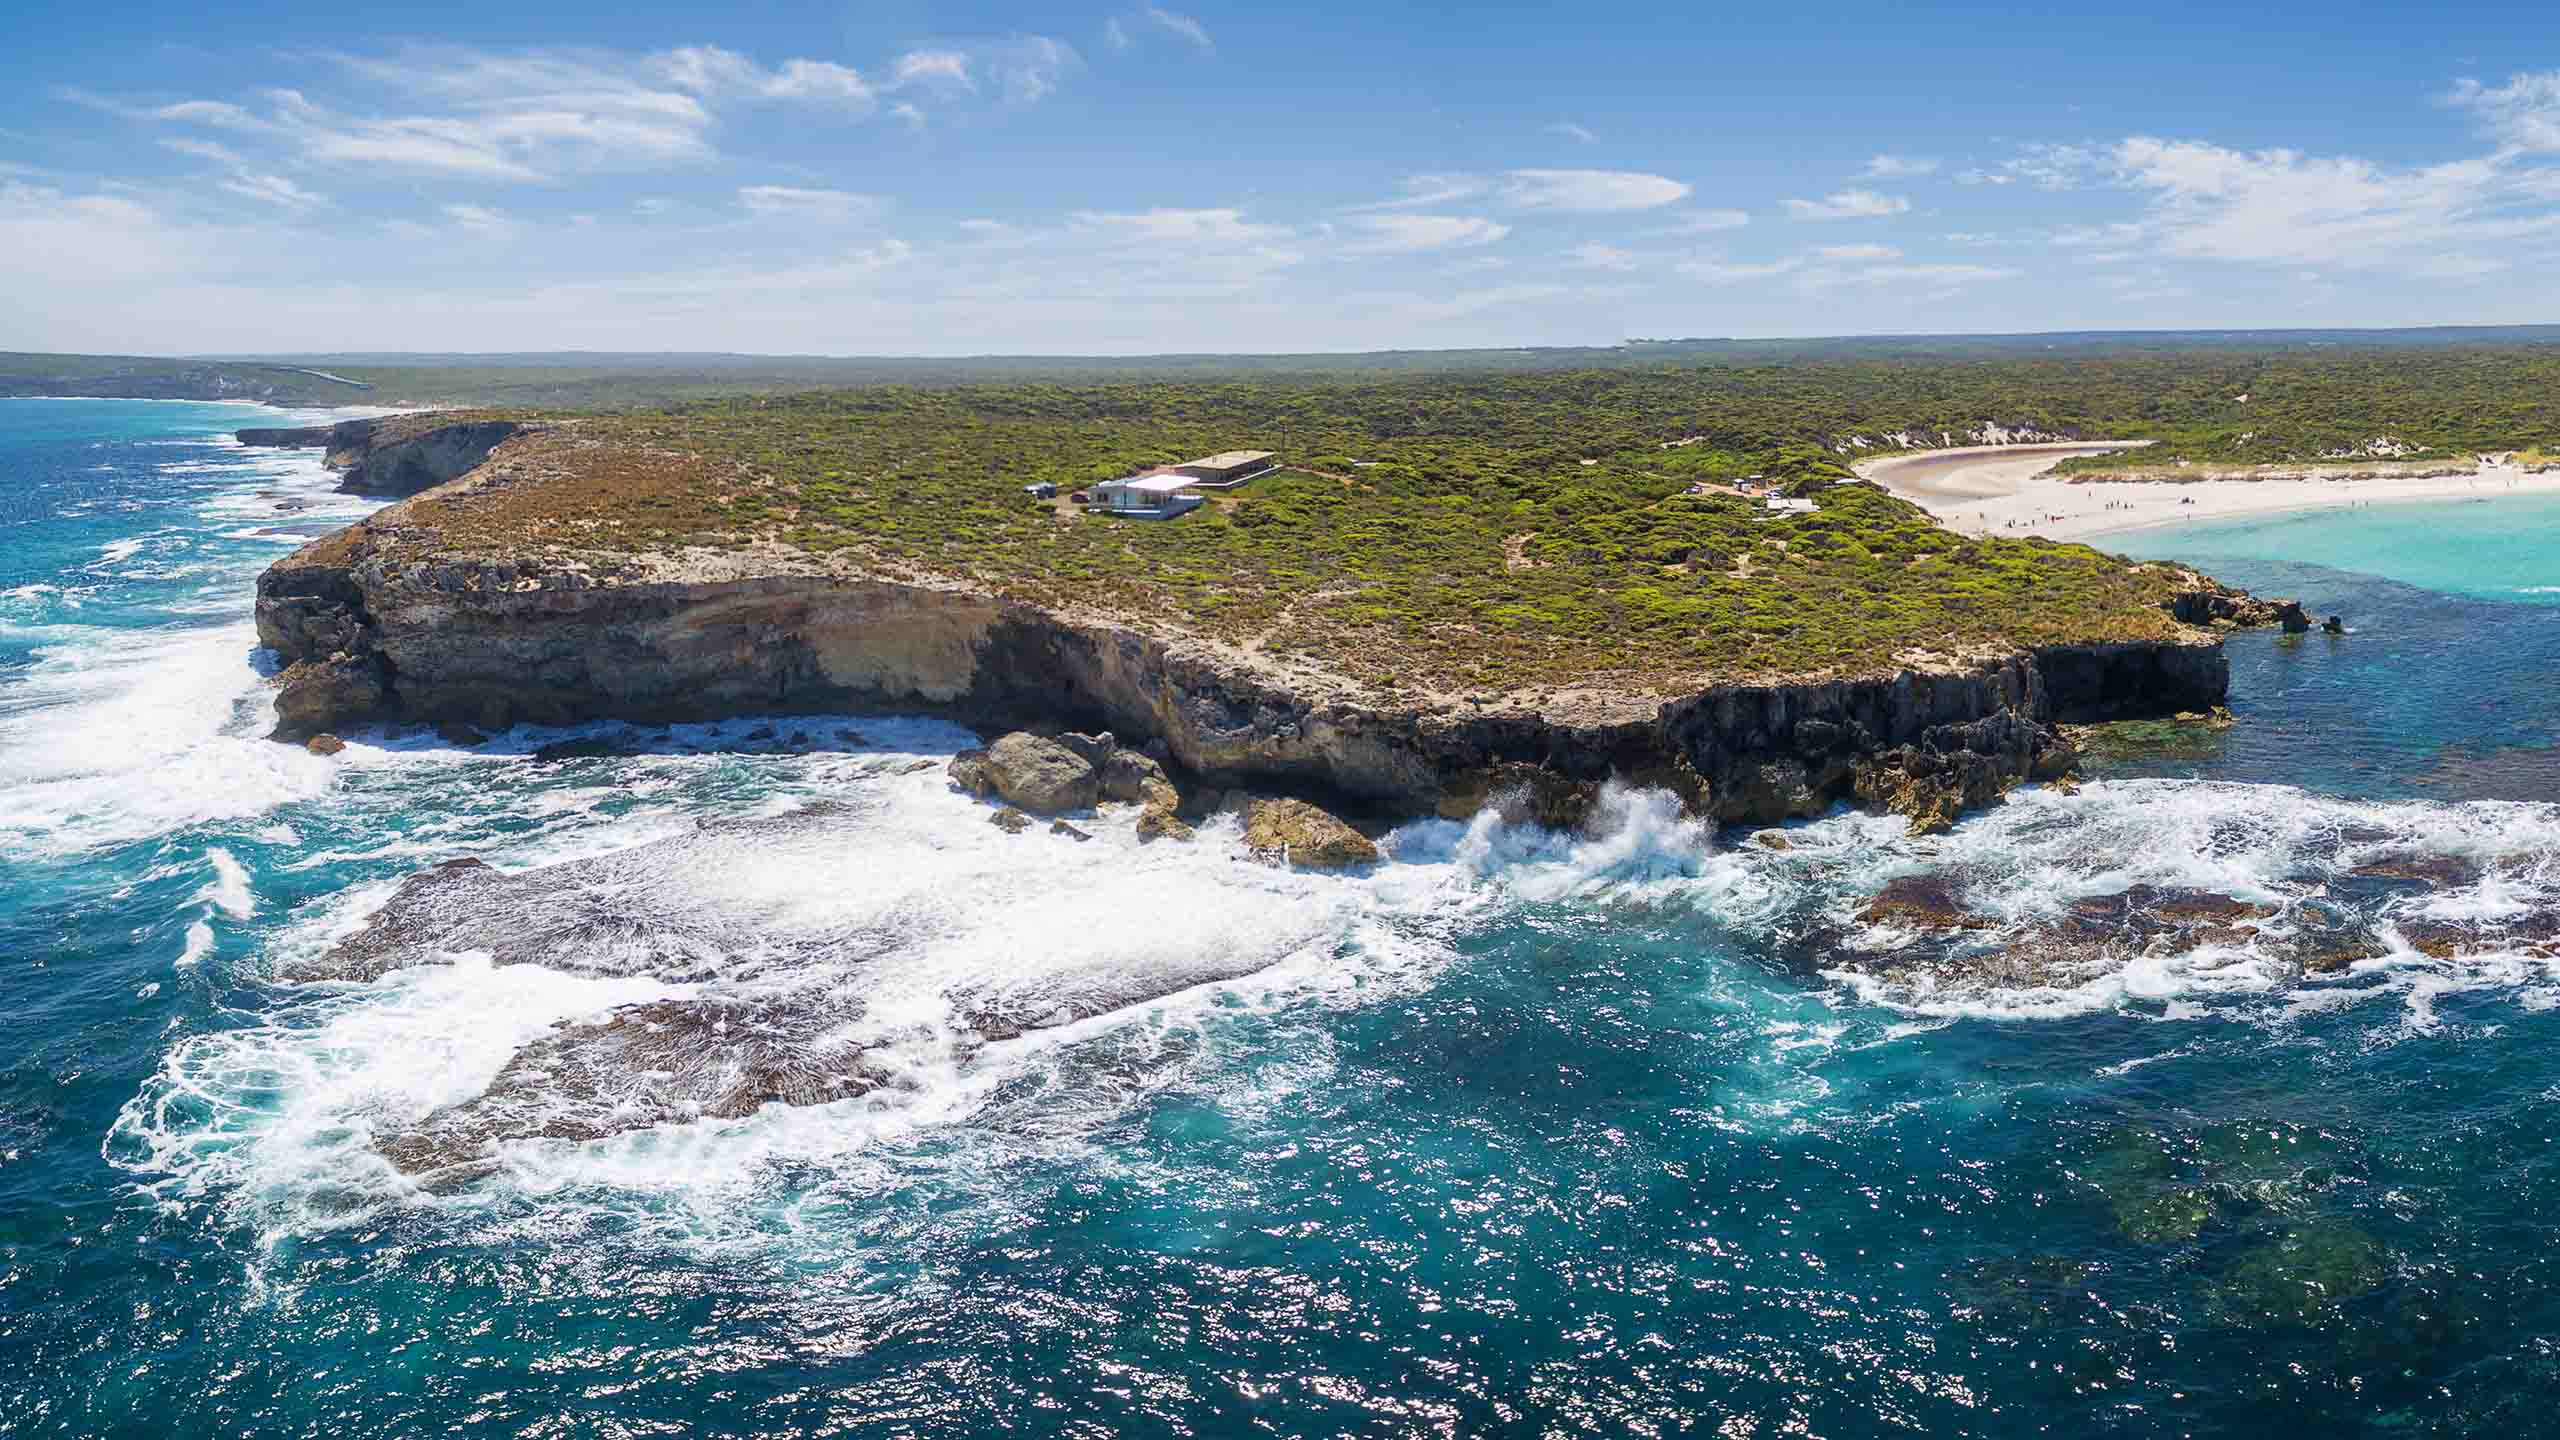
(2003, 490)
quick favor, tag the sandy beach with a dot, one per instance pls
(1993, 490)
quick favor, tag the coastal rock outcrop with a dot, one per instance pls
(392, 619)
(394, 456)
(1293, 832)
(1031, 773)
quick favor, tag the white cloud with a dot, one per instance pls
(2523, 113)
(1590, 191)
(215, 151)
(1848, 205)
(1030, 68)
(1731, 272)
(493, 117)
(241, 179)
(1400, 234)
(1971, 237)
(1899, 167)
(1172, 22)
(1703, 222)
(1577, 133)
(825, 205)
(943, 67)
(479, 220)
(1423, 191)
(2284, 207)
(1592, 255)
(1832, 268)
(907, 112)
(1166, 225)
(221, 114)
(2044, 166)
(714, 73)
(273, 189)
(542, 115)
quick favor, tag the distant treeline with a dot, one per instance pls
(2309, 392)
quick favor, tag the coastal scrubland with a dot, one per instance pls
(1451, 534)
(1441, 526)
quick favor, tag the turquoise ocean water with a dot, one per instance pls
(1521, 1134)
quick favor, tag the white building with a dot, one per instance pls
(1146, 497)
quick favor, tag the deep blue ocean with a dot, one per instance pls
(1635, 1133)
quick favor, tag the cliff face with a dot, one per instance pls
(374, 631)
(394, 456)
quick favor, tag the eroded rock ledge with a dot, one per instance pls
(376, 626)
(394, 456)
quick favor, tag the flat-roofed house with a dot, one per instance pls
(1227, 468)
(1146, 497)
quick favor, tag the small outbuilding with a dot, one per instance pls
(1227, 468)
(1146, 497)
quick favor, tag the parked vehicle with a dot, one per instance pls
(1042, 491)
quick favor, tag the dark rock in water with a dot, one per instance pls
(2164, 906)
(1927, 902)
(610, 915)
(1158, 823)
(399, 935)
(1040, 775)
(2299, 1276)
(324, 743)
(1094, 750)
(969, 772)
(1293, 832)
(591, 749)
(2333, 626)
(2291, 616)
(2535, 933)
(313, 695)
(1133, 779)
(667, 1061)
(1010, 821)
(2442, 872)
(1773, 840)
(454, 732)
(851, 737)
(2438, 939)
(2030, 1289)
(915, 767)
(2054, 762)
(1061, 827)
(2331, 954)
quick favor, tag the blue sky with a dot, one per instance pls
(915, 178)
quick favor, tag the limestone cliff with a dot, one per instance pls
(394, 456)
(383, 621)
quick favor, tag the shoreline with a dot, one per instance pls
(2004, 490)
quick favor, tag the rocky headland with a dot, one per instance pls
(394, 456)
(419, 615)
